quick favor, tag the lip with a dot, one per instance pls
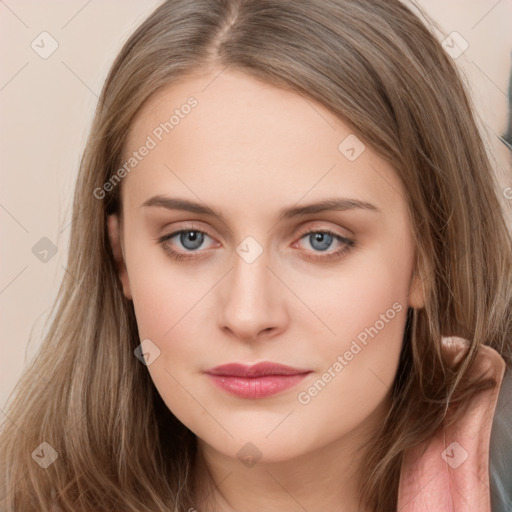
(256, 381)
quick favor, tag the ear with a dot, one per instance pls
(116, 243)
(417, 290)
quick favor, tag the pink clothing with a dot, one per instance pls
(452, 475)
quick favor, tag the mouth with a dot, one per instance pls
(257, 381)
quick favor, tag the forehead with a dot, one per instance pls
(246, 140)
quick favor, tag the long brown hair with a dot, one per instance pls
(374, 64)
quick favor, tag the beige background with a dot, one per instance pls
(46, 107)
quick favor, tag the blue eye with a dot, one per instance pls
(322, 240)
(192, 239)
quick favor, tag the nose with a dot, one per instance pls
(252, 302)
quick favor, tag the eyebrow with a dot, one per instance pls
(329, 204)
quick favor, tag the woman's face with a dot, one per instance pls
(248, 283)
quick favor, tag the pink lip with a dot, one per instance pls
(256, 381)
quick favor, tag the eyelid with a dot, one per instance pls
(318, 226)
(303, 229)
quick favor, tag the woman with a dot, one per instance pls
(342, 340)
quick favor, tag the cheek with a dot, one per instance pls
(366, 291)
(364, 304)
(165, 294)
(167, 305)
(173, 309)
(366, 307)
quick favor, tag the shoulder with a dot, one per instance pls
(500, 453)
(451, 470)
(489, 361)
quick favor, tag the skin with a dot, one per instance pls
(247, 150)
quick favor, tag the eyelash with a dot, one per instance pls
(348, 244)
